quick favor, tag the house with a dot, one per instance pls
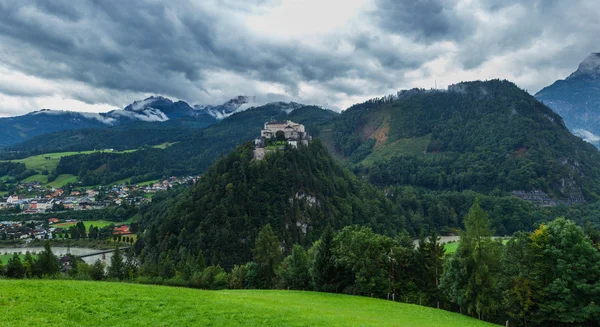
(121, 230)
(52, 220)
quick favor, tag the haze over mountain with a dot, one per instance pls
(577, 99)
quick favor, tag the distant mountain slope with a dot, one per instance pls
(195, 151)
(14, 130)
(577, 99)
(120, 137)
(484, 136)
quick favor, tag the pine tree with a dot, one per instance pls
(117, 267)
(471, 275)
(47, 262)
(434, 259)
(267, 256)
(323, 272)
(14, 267)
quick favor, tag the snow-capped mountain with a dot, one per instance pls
(577, 99)
(228, 108)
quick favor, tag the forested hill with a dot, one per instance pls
(194, 152)
(484, 136)
(298, 191)
(121, 137)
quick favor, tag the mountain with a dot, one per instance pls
(298, 191)
(577, 99)
(14, 130)
(195, 151)
(490, 137)
(228, 108)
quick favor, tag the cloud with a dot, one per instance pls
(97, 55)
(587, 136)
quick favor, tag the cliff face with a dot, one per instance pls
(577, 99)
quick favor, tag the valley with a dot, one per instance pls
(285, 196)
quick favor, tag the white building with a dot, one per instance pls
(290, 129)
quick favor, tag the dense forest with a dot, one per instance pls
(120, 137)
(298, 191)
(481, 136)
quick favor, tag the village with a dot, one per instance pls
(33, 198)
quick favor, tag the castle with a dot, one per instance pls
(293, 133)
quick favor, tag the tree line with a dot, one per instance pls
(548, 277)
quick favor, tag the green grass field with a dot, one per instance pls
(87, 223)
(149, 182)
(62, 180)
(451, 247)
(36, 178)
(410, 147)
(4, 257)
(164, 145)
(49, 162)
(76, 303)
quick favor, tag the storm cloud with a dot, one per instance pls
(100, 55)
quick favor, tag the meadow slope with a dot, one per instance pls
(76, 303)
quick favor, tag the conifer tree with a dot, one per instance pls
(323, 270)
(117, 267)
(267, 256)
(48, 262)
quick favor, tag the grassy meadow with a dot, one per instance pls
(78, 303)
(451, 247)
(86, 223)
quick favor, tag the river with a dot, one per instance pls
(60, 251)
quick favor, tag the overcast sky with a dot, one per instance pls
(100, 55)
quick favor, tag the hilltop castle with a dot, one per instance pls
(292, 133)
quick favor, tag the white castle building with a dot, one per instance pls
(290, 129)
(294, 134)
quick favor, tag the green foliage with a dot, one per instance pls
(483, 136)
(14, 267)
(194, 153)
(294, 269)
(48, 264)
(472, 273)
(97, 270)
(297, 191)
(364, 258)
(323, 271)
(566, 276)
(116, 269)
(267, 256)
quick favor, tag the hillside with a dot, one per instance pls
(298, 191)
(157, 109)
(577, 99)
(121, 137)
(34, 303)
(483, 136)
(195, 152)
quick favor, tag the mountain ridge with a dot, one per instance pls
(14, 130)
(577, 99)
